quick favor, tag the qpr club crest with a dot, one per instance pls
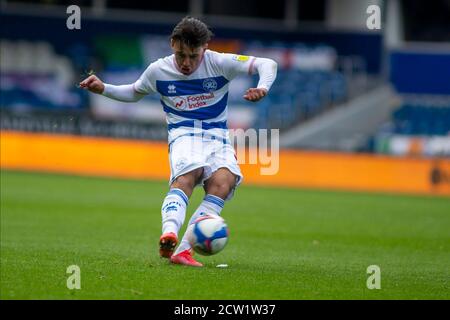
(210, 85)
(181, 163)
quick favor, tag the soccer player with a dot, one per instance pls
(193, 85)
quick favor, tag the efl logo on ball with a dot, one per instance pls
(208, 235)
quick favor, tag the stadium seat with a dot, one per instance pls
(419, 119)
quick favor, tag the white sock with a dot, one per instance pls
(210, 205)
(173, 211)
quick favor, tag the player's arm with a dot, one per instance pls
(124, 93)
(267, 70)
(232, 65)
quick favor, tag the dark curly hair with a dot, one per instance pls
(191, 32)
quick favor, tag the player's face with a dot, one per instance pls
(187, 58)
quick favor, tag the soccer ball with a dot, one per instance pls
(208, 235)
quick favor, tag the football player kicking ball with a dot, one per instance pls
(193, 85)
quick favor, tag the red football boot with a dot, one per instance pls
(167, 244)
(185, 258)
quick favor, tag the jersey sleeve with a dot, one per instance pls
(146, 84)
(233, 65)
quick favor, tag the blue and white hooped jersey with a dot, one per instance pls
(196, 99)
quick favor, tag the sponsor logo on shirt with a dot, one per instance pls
(179, 103)
(240, 58)
(192, 102)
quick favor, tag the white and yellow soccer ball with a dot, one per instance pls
(208, 235)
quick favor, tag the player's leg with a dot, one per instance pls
(221, 183)
(175, 203)
(173, 210)
(217, 188)
(219, 180)
(187, 166)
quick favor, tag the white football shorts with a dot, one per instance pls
(190, 152)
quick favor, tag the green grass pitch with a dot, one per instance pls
(284, 243)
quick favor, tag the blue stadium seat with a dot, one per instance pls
(421, 119)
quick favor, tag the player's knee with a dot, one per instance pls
(187, 182)
(219, 188)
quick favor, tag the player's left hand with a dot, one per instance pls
(255, 94)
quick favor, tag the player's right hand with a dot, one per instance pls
(93, 84)
(255, 94)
